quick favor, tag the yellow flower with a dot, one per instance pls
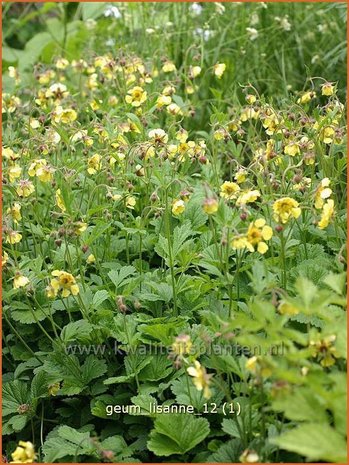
(25, 188)
(13, 237)
(219, 69)
(59, 200)
(240, 176)
(90, 259)
(9, 154)
(53, 389)
(40, 169)
(229, 190)
(249, 113)
(327, 135)
(194, 71)
(24, 453)
(257, 233)
(251, 99)
(80, 227)
(14, 172)
(178, 207)
(210, 206)
(20, 281)
(287, 309)
(327, 89)
(45, 173)
(327, 214)
(163, 100)
(325, 350)
(15, 212)
(286, 208)
(10, 103)
(65, 116)
(4, 259)
(258, 366)
(292, 149)
(130, 202)
(248, 197)
(57, 91)
(61, 63)
(94, 164)
(182, 345)
(169, 67)
(249, 456)
(174, 109)
(136, 96)
(13, 73)
(63, 282)
(158, 136)
(306, 97)
(201, 379)
(322, 192)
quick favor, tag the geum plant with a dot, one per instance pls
(150, 264)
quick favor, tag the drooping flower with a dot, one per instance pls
(178, 207)
(59, 200)
(306, 97)
(322, 193)
(327, 214)
(24, 453)
(210, 206)
(286, 208)
(14, 172)
(182, 345)
(249, 456)
(327, 89)
(168, 67)
(94, 164)
(64, 283)
(13, 237)
(219, 69)
(20, 281)
(201, 379)
(327, 135)
(15, 212)
(64, 115)
(292, 149)
(246, 197)
(25, 188)
(90, 259)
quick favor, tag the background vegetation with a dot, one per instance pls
(119, 238)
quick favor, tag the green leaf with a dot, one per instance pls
(92, 10)
(158, 368)
(76, 331)
(99, 298)
(14, 394)
(308, 406)
(335, 282)
(177, 434)
(316, 441)
(118, 278)
(67, 442)
(227, 453)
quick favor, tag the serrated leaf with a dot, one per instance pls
(14, 394)
(99, 298)
(316, 441)
(177, 434)
(67, 442)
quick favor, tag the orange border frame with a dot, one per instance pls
(168, 1)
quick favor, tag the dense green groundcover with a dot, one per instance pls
(174, 232)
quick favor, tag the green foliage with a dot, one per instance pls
(148, 265)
